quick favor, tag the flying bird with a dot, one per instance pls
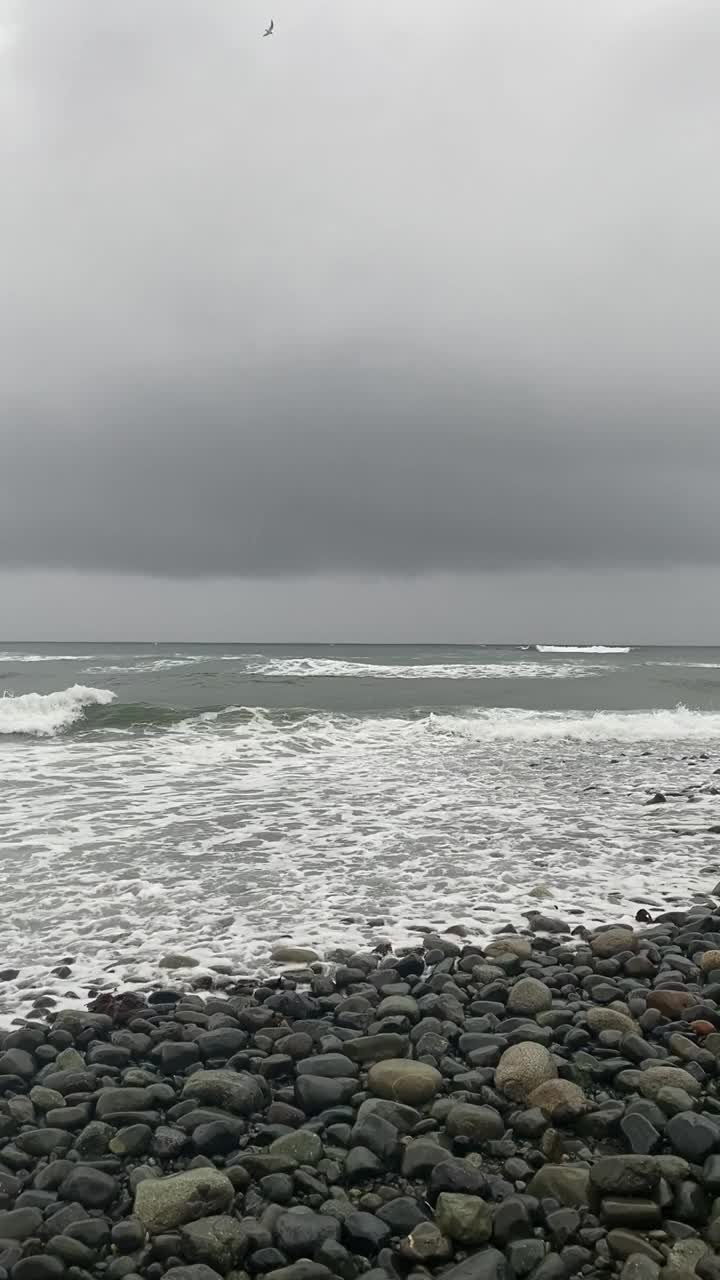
(270, 29)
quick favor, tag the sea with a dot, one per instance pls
(211, 801)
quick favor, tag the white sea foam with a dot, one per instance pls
(45, 714)
(580, 648)
(291, 668)
(8, 655)
(492, 725)
(228, 830)
(150, 666)
(706, 666)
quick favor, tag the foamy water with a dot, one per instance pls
(217, 804)
(582, 648)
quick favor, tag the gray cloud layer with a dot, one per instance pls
(408, 288)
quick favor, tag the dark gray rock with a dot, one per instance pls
(44, 1142)
(693, 1136)
(17, 1062)
(453, 1174)
(133, 1140)
(563, 1225)
(476, 1124)
(278, 1188)
(320, 1093)
(329, 1065)
(219, 1241)
(524, 1255)
(631, 1211)
(625, 1175)
(72, 1252)
(222, 1043)
(641, 1134)
(551, 1268)
(94, 1140)
(117, 1101)
(568, 1184)
(376, 1048)
(377, 1135)
(176, 1057)
(711, 1173)
(365, 1234)
(300, 1232)
(362, 1164)
(91, 1188)
(420, 1157)
(128, 1235)
(20, 1224)
(402, 1215)
(403, 1118)
(512, 1221)
(39, 1267)
(488, 1264)
(303, 1270)
(197, 1272)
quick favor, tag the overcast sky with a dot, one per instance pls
(401, 323)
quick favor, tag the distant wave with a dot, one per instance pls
(602, 726)
(44, 714)
(294, 667)
(148, 666)
(7, 655)
(704, 666)
(582, 648)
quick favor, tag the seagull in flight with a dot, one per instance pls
(270, 29)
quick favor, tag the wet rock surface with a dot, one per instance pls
(543, 1105)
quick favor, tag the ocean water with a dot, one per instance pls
(214, 800)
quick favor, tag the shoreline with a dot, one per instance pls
(536, 1104)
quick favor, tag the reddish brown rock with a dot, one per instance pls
(671, 1004)
(702, 1028)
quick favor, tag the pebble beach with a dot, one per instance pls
(543, 1105)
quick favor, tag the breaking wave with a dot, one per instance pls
(680, 724)
(582, 648)
(290, 668)
(44, 714)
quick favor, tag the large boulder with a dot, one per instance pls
(162, 1204)
(522, 1068)
(402, 1080)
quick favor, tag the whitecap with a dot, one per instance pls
(44, 714)
(680, 724)
(292, 668)
(582, 648)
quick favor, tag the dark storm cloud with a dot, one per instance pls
(407, 288)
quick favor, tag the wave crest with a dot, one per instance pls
(291, 668)
(680, 724)
(582, 648)
(45, 714)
